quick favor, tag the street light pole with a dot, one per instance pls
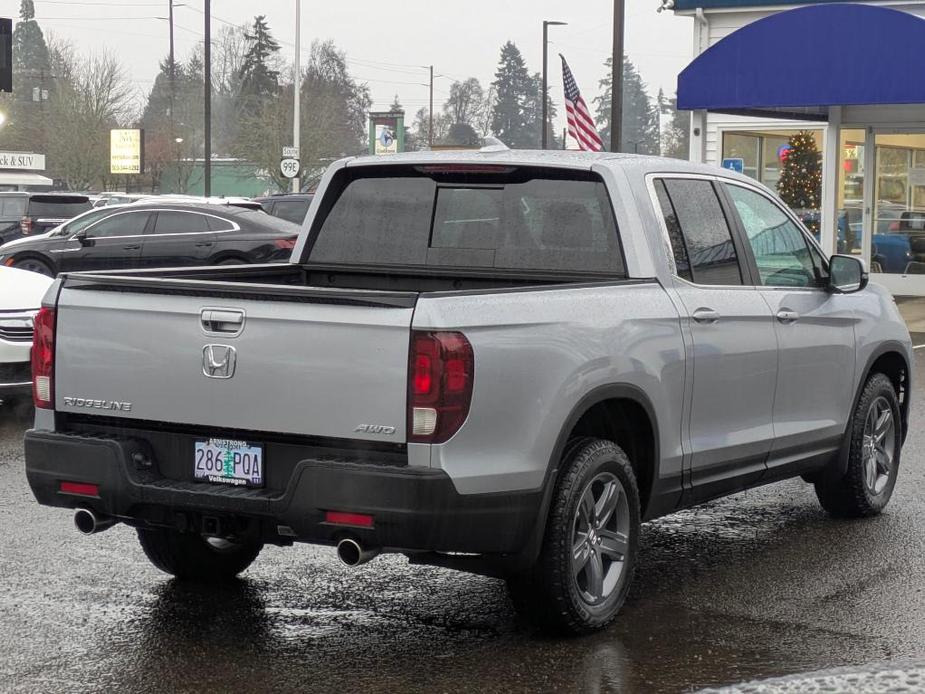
(616, 87)
(430, 128)
(207, 101)
(544, 138)
(298, 89)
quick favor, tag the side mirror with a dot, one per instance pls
(847, 274)
(81, 237)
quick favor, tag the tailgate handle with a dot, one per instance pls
(222, 321)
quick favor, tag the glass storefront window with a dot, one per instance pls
(764, 154)
(850, 201)
(745, 147)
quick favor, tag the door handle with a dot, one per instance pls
(705, 315)
(203, 244)
(226, 321)
(786, 316)
(133, 247)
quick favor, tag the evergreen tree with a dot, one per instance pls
(800, 183)
(33, 85)
(640, 132)
(30, 52)
(258, 77)
(396, 107)
(676, 135)
(513, 85)
(534, 113)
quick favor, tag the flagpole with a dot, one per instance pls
(544, 92)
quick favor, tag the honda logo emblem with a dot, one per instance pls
(218, 361)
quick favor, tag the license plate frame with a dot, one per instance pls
(229, 462)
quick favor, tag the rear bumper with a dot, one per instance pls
(414, 509)
(15, 379)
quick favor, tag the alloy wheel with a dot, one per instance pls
(879, 445)
(600, 538)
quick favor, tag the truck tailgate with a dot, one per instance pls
(305, 365)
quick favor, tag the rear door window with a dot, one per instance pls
(12, 207)
(529, 223)
(180, 223)
(699, 233)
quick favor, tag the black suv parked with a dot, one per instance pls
(27, 214)
(289, 206)
(155, 235)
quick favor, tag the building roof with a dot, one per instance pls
(799, 62)
(690, 5)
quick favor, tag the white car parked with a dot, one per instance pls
(21, 295)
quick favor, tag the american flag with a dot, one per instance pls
(580, 123)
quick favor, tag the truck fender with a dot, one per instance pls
(625, 391)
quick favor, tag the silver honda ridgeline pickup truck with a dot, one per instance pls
(498, 362)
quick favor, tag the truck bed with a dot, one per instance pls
(380, 284)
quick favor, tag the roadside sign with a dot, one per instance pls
(736, 164)
(289, 167)
(290, 152)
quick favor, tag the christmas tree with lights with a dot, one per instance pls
(800, 184)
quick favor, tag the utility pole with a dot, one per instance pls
(173, 80)
(544, 138)
(430, 136)
(207, 100)
(297, 85)
(616, 88)
(170, 21)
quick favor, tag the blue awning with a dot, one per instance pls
(799, 62)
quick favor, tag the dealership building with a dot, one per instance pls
(853, 75)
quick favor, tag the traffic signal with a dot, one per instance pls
(6, 54)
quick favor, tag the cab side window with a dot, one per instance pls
(781, 251)
(701, 240)
(130, 224)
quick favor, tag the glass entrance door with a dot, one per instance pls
(893, 210)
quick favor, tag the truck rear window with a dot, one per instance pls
(524, 221)
(58, 209)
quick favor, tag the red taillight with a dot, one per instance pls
(441, 373)
(25, 225)
(361, 520)
(79, 488)
(285, 243)
(43, 359)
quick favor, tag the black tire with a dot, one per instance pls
(853, 495)
(190, 556)
(34, 265)
(551, 594)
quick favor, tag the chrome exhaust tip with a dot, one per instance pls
(88, 522)
(352, 553)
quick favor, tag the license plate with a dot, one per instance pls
(227, 461)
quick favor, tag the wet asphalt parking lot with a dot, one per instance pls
(758, 585)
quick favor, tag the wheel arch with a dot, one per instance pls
(585, 419)
(230, 254)
(890, 359)
(35, 255)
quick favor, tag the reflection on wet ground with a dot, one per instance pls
(759, 585)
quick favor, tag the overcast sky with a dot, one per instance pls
(387, 42)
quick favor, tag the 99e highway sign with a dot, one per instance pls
(289, 167)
